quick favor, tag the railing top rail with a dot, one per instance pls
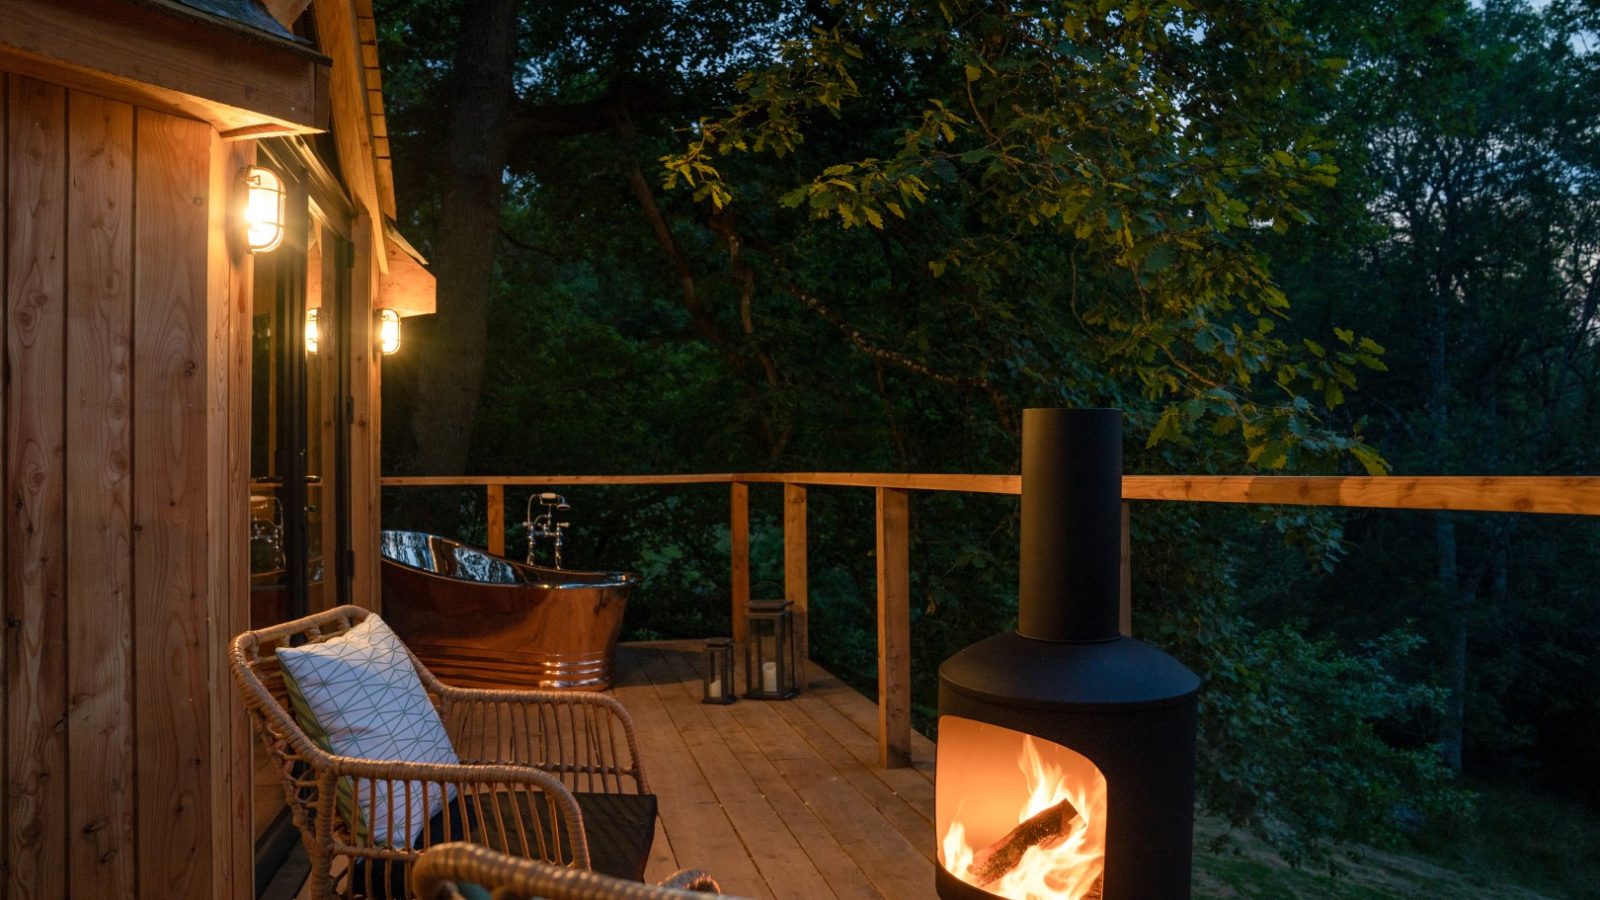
(548, 480)
(1553, 494)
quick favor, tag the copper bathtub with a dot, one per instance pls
(479, 620)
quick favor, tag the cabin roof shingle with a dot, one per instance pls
(243, 15)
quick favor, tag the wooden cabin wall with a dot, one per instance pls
(366, 426)
(125, 420)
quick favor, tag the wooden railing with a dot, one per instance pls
(1514, 494)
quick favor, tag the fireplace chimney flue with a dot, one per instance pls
(1071, 525)
(1067, 705)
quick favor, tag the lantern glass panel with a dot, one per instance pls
(770, 663)
(718, 686)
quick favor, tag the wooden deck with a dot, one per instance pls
(777, 799)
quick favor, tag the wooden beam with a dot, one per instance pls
(152, 58)
(552, 480)
(366, 398)
(495, 510)
(383, 171)
(1553, 494)
(1495, 493)
(1125, 595)
(979, 484)
(894, 627)
(739, 550)
(795, 588)
(407, 287)
(338, 34)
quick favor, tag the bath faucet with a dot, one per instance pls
(545, 525)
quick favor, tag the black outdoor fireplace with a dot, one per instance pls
(1066, 750)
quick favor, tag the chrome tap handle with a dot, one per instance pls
(545, 525)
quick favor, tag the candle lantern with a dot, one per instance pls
(770, 666)
(719, 671)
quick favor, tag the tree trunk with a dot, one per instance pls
(453, 344)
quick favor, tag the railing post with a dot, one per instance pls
(496, 508)
(739, 549)
(1125, 600)
(794, 572)
(894, 628)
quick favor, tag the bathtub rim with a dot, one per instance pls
(602, 579)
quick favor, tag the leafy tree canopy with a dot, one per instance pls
(1085, 183)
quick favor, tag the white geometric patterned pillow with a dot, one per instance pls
(366, 697)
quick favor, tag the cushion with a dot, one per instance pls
(620, 829)
(362, 693)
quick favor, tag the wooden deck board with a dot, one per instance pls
(697, 828)
(804, 829)
(828, 735)
(784, 866)
(777, 799)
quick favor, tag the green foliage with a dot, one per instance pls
(1295, 728)
(1135, 152)
(1297, 734)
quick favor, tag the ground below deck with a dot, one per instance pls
(777, 799)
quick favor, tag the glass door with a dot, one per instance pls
(299, 436)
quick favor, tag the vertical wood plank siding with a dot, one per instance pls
(36, 767)
(169, 502)
(228, 426)
(99, 526)
(125, 488)
(5, 500)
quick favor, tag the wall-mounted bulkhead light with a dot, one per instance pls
(313, 330)
(388, 330)
(266, 206)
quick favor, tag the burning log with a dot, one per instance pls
(1046, 828)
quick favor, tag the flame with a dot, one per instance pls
(1070, 868)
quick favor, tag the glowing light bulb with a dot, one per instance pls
(388, 330)
(265, 206)
(313, 331)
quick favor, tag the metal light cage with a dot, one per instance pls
(718, 686)
(265, 208)
(771, 668)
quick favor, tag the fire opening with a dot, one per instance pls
(1019, 816)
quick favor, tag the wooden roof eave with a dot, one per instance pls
(339, 36)
(406, 286)
(347, 32)
(243, 84)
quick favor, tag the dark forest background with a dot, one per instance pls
(1287, 236)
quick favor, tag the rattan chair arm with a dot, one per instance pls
(435, 874)
(485, 695)
(452, 773)
(692, 880)
(468, 777)
(457, 701)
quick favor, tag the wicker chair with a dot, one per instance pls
(469, 872)
(533, 763)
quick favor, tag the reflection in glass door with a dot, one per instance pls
(300, 302)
